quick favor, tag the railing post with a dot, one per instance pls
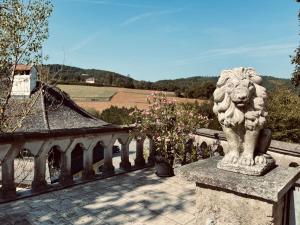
(66, 177)
(88, 170)
(140, 160)
(151, 159)
(8, 181)
(8, 177)
(125, 163)
(39, 182)
(108, 168)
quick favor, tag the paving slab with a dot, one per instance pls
(135, 198)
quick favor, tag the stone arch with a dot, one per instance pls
(98, 156)
(54, 159)
(23, 168)
(77, 158)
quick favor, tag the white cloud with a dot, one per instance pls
(261, 50)
(84, 42)
(112, 3)
(149, 14)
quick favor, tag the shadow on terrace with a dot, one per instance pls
(138, 197)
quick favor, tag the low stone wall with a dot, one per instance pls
(285, 154)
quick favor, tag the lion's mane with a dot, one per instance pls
(229, 115)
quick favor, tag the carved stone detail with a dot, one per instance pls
(239, 103)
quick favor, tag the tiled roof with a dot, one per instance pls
(22, 67)
(51, 109)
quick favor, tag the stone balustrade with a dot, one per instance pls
(285, 154)
(40, 144)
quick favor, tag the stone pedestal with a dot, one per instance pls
(227, 198)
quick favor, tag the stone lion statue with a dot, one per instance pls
(239, 103)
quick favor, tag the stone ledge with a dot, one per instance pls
(270, 187)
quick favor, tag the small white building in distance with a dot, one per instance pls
(24, 80)
(90, 80)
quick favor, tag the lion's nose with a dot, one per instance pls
(242, 97)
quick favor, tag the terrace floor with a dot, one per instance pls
(136, 198)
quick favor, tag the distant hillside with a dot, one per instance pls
(192, 87)
(75, 75)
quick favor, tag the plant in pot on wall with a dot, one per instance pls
(170, 125)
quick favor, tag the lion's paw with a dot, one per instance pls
(231, 157)
(261, 160)
(246, 160)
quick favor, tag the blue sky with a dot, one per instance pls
(166, 39)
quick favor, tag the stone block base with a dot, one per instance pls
(227, 198)
(255, 170)
(139, 163)
(125, 165)
(214, 207)
(38, 186)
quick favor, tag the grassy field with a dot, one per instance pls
(88, 93)
(101, 98)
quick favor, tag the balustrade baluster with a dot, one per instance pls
(108, 168)
(125, 163)
(140, 160)
(39, 182)
(88, 171)
(66, 177)
(151, 152)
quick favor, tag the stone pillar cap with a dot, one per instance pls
(270, 187)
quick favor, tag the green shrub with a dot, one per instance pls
(117, 115)
(169, 124)
(284, 115)
(93, 112)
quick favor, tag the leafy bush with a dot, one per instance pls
(284, 115)
(169, 124)
(93, 112)
(117, 115)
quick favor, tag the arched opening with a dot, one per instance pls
(116, 155)
(77, 161)
(24, 170)
(53, 165)
(219, 151)
(98, 156)
(202, 151)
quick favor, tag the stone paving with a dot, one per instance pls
(136, 198)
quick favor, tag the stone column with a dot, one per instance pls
(108, 168)
(8, 180)
(8, 173)
(125, 163)
(39, 182)
(140, 160)
(227, 198)
(66, 177)
(88, 171)
(151, 152)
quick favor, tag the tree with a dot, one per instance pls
(296, 60)
(23, 30)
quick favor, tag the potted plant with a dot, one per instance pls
(170, 125)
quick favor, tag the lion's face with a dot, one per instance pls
(240, 91)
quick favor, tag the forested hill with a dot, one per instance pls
(192, 87)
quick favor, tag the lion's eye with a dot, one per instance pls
(230, 85)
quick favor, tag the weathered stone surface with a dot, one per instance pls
(136, 198)
(239, 103)
(255, 170)
(270, 187)
(215, 207)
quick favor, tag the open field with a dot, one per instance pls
(88, 93)
(121, 97)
